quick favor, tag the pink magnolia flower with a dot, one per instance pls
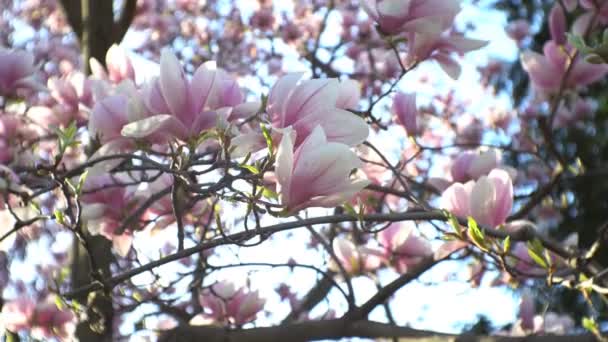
(111, 112)
(395, 16)
(317, 174)
(108, 117)
(439, 45)
(596, 14)
(488, 200)
(17, 314)
(51, 321)
(518, 30)
(17, 72)
(222, 302)
(521, 261)
(471, 165)
(546, 71)
(44, 320)
(549, 323)
(356, 259)
(349, 94)
(557, 24)
(527, 309)
(404, 109)
(9, 133)
(182, 108)
(402, 247)
(469, 130)
(71, 97)
(104, 208)
(118, 64)
(263, 19)
(317, 102)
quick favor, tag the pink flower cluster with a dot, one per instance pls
(224, 303)
(17, 72)
(314, 160)
(488, 200)
(105, 206)
(559, 62)
(171, 106)
(400, 248)
(547, 323)
(428, 27)
(44, 320)
(405, 111)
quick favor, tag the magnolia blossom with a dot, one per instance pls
(182, 108)
(529, 323)
(17, 72)
(557, 24)
(118, 64)
(402, 247)
(440, 45)
(471, 165)
(518, 30)
(356, 259)
(44, 320)
(108, 117)
(521, 261)
(112, 111)
(317, 174)
(9, 133)
(488, 200)
(395, 16)
(319, 102)
(404, 108)
(547, 71)
(104, 208)
(71, 98)
(222, 302)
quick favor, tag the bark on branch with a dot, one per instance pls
(340, 328)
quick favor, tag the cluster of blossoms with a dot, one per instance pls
(427, 25)
(529, 322)
(44, 319)
(488, 200)
(224, 303)
(563, 68)
(399, 247)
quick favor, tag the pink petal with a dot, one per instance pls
(173, 83)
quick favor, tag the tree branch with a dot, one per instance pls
(521, 235)
(339, 328)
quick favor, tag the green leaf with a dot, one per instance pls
(254, 170)
(67, 137)
(137, 297)
(506, 245)
(59, 217)
(59, 303)
(476, 235)
(590, 324)
(536, 252)
(81, 181)
(268, 138)
(350, 210)
(454, 223)
(269, 193)
(36, 207)
(596, 52)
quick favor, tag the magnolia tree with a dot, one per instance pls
(156, 188)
